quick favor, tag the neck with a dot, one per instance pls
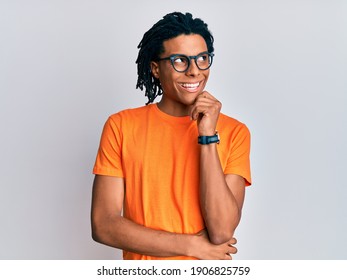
(174, 109)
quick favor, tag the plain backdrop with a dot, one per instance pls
(280, 67)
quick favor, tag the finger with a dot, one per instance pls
(206, 102)
(228, 257)
(232, 250)
(232, 241)
(213, 105)
(201, 100)
(197, 110)
(205, 98)
(205, 107)
(206, 94)
(202, 112)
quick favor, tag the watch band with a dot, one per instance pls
(205, 140)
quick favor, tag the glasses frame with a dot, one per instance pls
(189, 58)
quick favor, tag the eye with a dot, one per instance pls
(203, 58)
(180, 60)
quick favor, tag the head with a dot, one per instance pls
(151, 47)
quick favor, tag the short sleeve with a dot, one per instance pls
(109, 157)
(239, 155)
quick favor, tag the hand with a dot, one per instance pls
(206, 111)
(203, 249)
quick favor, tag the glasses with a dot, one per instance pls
(181, 62)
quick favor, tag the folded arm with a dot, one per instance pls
(221, 196)
(109, 227)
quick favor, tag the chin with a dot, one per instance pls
(189, 100)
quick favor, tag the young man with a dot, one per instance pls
(179, 182)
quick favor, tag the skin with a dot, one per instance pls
(221, 196)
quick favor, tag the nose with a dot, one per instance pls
(193, 69)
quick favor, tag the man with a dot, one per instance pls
(179, 183)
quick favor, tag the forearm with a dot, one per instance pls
(219, 207)
(119, 232)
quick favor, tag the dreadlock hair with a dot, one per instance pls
(151, 46)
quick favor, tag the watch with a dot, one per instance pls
(205, 140)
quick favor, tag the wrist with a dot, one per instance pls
(191, 245)
(208, 139)
(207, 133)
(183, 244)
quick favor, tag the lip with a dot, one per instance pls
(191, 86)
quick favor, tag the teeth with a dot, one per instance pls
(190, 85)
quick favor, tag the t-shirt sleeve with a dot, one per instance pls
(239, 156)
(109, 157)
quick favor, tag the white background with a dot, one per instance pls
(280, 67)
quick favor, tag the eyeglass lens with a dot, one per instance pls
(181, 63)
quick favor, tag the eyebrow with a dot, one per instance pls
(189, 56)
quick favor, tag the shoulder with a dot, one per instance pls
(233, 133)
(231, 125)
(130, 114)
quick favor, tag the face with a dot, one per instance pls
(180, 89)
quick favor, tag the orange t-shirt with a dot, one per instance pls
(158, 157)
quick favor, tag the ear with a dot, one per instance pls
(155, 69)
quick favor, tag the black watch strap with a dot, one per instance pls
(205, 140)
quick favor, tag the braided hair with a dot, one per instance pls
(151, 46)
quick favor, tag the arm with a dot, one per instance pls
(110, 228)
(221, 196)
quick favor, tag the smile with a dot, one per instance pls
(190, 86)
